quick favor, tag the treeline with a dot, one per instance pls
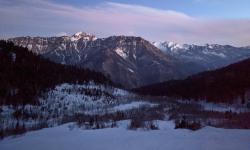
(24, 75)
(223, 85)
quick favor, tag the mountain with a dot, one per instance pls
(64, 49)
(24, 75)
(208, 57)
(129, 61)
(229, 84)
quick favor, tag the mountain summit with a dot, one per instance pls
(84, 36)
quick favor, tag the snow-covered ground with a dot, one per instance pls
(69, 100)
(65, 138)
(66, 101)
(218, 107)
(223, 107)
(133, 105)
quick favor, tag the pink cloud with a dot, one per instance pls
(43, 16)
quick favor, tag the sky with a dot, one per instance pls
(181, 21)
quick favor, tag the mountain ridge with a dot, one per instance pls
(128, 60)
(132, 61)
(208, 56)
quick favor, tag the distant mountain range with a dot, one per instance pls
(132, 61)
(208, 57)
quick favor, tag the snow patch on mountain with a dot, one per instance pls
(121, 52)
(132, 71)
(219, 54)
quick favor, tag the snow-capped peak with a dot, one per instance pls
(79, 34)
(84, 36)
(214, 46)
(170, 46)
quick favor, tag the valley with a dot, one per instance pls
(63, 95)
(124, 75)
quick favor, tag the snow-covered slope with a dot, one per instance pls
(64, 102)
(66, 137)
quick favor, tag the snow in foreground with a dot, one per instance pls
(64, 138)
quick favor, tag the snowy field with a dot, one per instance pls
(167, 138)
(218, 107)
